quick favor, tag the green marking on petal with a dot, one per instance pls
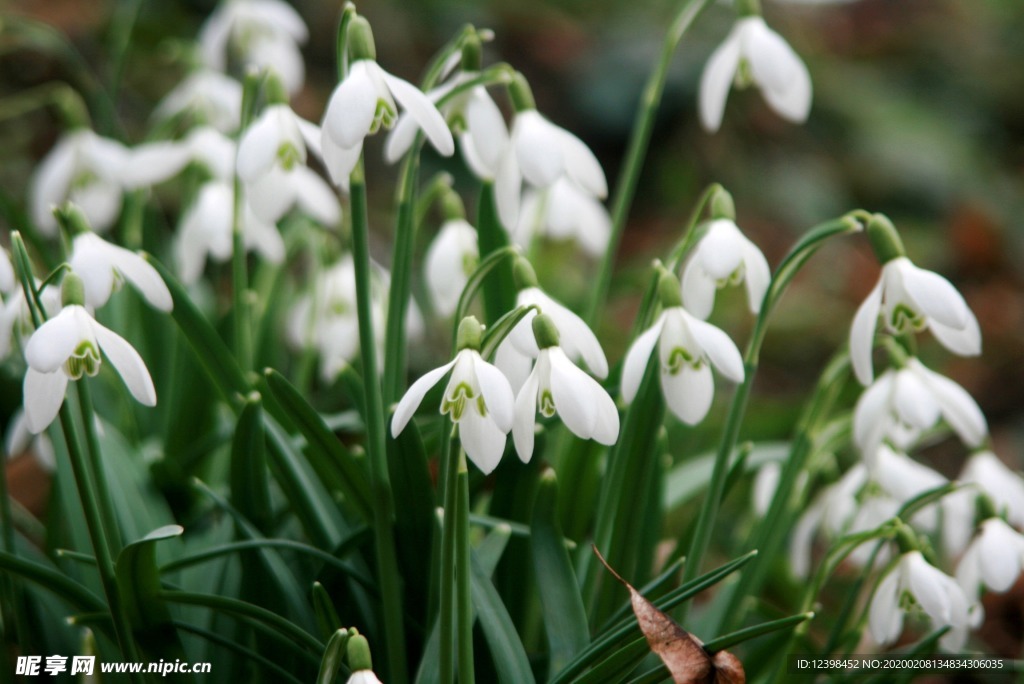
(84, 361)
(288, 155)
(744, 75)
(679, 358)
(455, 403)
(384, 116)
(547, 403)
(903, 318)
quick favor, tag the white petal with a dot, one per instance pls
(315, 197)
(497, 393)
(423, 111)
(958, 407)
(885, 619)
(507, 186)
(44, 394)
(513, 364)
(698, 289)
(51, 181)
(720, 251)
(153, 163)
(964, 341)
(400, 139)
(537, 148)
(637, 357)
(573, 391)
(55, 340)
(483, 441)
(351, 109)
(7, 280)
(606, 429)
(414, 395)
(718, 347)
(1000, 548)
(128, 364)
(757, 274)
(271, 194)
(716, 81)
(257, 151)
(689, 393)
(525, 417)
(100, 201)
(780, 72)
(924, 582)
(312, 135)
(486, 128)
(340, 161)
(264, 238)
(862, 335)
(577, 339)
(581, 165)
(871, 407)
(913, 402)
(933, 295)
(141, 274)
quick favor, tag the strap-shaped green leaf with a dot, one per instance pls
(334, 655)
(250, 486)
(510, 659)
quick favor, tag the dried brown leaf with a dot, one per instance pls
(682, 652)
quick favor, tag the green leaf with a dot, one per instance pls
(213, 354)
(54, 581)
(510, 659)
(334, 654)
(138, 584)
(250, 485)
(333, 463)
(326, 615)
(565, 619)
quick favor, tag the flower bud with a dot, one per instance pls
(544, 331)
(885, 241)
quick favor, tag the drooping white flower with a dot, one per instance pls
(556, 385)
(911, 298)
(994, 559)
(754, 53)
(903, 403)
(272, 165)
(362, 103)
(833, 508)
(519, 348)
(209, 96)
(84, 168)
(103, 266)
(724, 256)
(260, 33)
(16, 319)
(914, 582)
(7, 279)
(984, 473)
(451, 259)
(903, 479)
(478, 398)
(19, 440)
(206, 229)
(67, 347)
(152, 163)
(687, 348)
(564, 212)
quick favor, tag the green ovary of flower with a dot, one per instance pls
(744, 75)
(679, 358)
(469, 263)
(288, 156)
(385, 116)
(83, 179)
(84, 361)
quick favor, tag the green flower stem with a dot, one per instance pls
(383, 506)
(401, 280)
(13, 626)
(94, 521)
(463, 600)
(98, 474)
(640, 138)
(772, 529)
(783, 275)
(450, 477)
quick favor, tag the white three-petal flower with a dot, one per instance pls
(687, 347)
(994, 559)
(911, 298)
(724, 256)
(759, 53)
(938, 595)
(556, 385)
(67, 347)
(362, 103)
(102, 266)
(563, 212)
(479, 400)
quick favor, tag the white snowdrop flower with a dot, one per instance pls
(68, 346)
(724, 256)
(272, 165)
(519, 348)
(16, 319)
(206, 229)
(152, 163)
(365, 101)
(261, 33)
(994, 559)
(564, 212)
(903, 403)
(984, 473)
(451, 259)
(84, 168)
(903, 478)
(7, 279)
(209, 96)
(478, 399)
(103, 267)
(908, 299)
(19, 440)
(556, 385)
(752, 53)
(687, 349)
(914, 583)
(360, 661)
(834, 508)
